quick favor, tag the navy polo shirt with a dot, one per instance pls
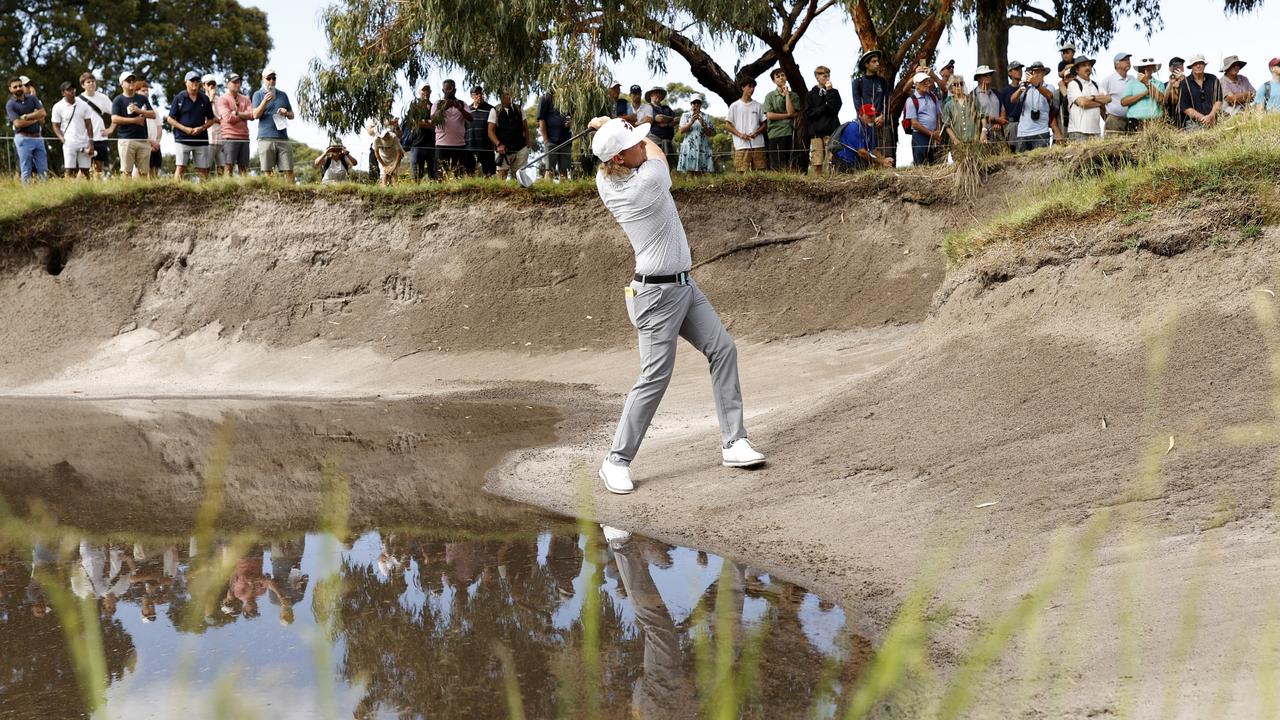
(191, 113)
(120, 106)
(17, 108)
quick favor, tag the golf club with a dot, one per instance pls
(525, 180)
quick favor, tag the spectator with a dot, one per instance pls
(695, 151)
(923, 119)
(1173, 92)
(371, 130)
(210, 84)
(420, 132)
(1012, 110)
(335, 163)
(387, 149)
(618, 107)
(857, 146)
(942, 80)
(155, 131)
(272, 107)
(745, 122)
(1037, 121)
(1237, 92)
(1086, 101)
(1061, 106)
(964, 119)
(509, 134)
(73, 127)
(662, 130)
(1117, 117)
(28, 87)
(635, 108)
(1068, 52)
(234, 112)
(555, 128)
(990, 109)
(781, 108)
(450, 117)
(478, 132)
(871, 88)
(1143, 96)
(191, 115)
(130, 112)
(101, 131)
(1200, 97)
(1269, 97)
(822, 111)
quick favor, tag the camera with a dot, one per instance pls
(1035, 115)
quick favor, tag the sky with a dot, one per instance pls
(1189, 27)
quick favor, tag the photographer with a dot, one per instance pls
(1037, 122)
(1144, 95)
(335, 164)
(450, 117)
(1173, 92)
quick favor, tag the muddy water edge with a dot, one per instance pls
(340, 558)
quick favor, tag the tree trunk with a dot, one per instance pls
(993, 39)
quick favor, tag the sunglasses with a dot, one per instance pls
(271, 77)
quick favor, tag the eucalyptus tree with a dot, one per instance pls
(906, 34)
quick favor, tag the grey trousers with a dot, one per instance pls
(661, 313)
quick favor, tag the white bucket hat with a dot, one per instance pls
(983, 70)
(1144, 62)
(615, 136)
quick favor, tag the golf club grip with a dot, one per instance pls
(557, 147)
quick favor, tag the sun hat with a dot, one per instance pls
(1230, 60)
(866, 58)
(1037, 65)
(868, 109)
(1066, 46)
(1122, 56)
(1015, 65)
(697, 99)
(615, 136)
(1197, 58)
(660, 90)
(1082, 60)
(191, 75)
(950, 64)
(983, 70)
(919, 78)
(127, 75)
(1147, 61)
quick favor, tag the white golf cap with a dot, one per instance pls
(615, 136)
(268, 72)
(1197, 58)
(983, 70)
(1146, 61)
(24, 79)
(919, 78)
(208, 78)
(127, 75)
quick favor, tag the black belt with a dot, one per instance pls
(681, 278)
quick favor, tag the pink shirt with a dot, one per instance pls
(233, 128)
(453, 131)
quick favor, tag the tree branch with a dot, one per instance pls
(1050, 25)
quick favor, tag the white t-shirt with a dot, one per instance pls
(642, 204)
(1114, 86)
(746, 117)
(103, 104)
(70, 120)
(1082, 120)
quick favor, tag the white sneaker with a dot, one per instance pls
(615, 536)
(741, 454)
(617, 478)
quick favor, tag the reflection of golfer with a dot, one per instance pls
(662, 301)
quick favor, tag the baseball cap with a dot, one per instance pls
(614, 84)
(233, 77)
(268, 72)
(634, 89)
(868, 109)
(126, 75)
(64, 86)
(191, 75)
(950, 64)
(1065, 47)
(1197, 58)
(919, 78)
(24, 79)
(1175, 60)
(1274, 62)
(615, 136)
(1121, 56)
(424, 84)
(208, 78)
(1015, 65)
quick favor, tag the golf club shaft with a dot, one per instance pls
(531, 163)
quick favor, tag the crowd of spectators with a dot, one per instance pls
(943, 114)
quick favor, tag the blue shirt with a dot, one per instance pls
(1033, 100)
(557, 123)
(267, 124)
(924, 108)
(871, 89)
(1012, 110)
(191, 113)
(620, 108)
(856, 136)
(120, 106)
(658, 131)
(17, 108)
(1269, 95)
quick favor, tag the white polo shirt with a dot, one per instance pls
(1082, 120)
(641, 202)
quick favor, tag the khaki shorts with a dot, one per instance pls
(134, 154)
(749, 159)
(275, 154)
(818, 152)
(515, 160)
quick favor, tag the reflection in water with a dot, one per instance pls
(404, 617)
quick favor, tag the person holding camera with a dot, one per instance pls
(335, 164)
(1037, 122)
(1144, 95)
(1173, 92)
(450, 117)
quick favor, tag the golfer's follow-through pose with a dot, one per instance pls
(663, 302)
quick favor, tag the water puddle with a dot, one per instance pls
(237, 559)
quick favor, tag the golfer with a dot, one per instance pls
(663, 302)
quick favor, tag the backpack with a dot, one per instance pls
(906, 122)
(834, 140)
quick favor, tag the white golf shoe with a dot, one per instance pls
(617, 478)
(741, 454)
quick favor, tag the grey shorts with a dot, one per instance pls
(559, 160)
(236, 152)
(275, 154)
(197, 155)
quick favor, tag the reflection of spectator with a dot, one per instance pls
(248, 582)
(695, 150)
(286, 571)
(746, 122)
(101, 574)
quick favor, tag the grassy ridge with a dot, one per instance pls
(1232, 170)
